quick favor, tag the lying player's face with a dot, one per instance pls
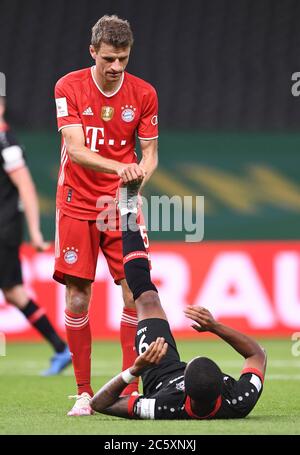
(111, 61)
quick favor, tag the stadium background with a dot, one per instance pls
(229, 130)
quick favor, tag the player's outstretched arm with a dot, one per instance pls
(107, 400)
(254, 354)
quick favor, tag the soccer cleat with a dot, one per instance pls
(82, 405)
(58, 362)
(132, 394)
(128, 198)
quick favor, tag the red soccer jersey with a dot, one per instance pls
(110, 124)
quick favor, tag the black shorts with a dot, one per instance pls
(148, 331)
(10, 266)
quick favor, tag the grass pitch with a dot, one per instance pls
(31, 404)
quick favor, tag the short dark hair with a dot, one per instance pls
(203, 380)
(112, 30)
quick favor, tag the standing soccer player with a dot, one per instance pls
(16, 185)
(100, 110)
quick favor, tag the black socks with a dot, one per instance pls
(37, 317)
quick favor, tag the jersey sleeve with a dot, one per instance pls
(66, 107)
(148, 125)
(12, 155)
(242, 395)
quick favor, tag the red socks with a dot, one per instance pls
(79, 340)
(127, 334)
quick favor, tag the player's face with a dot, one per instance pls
(110, 61)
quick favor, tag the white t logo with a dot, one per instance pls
(92, 139)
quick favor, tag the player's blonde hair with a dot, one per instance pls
(112, 30)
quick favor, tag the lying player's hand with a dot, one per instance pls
(203, 318)
(151, 357)
(131, 173)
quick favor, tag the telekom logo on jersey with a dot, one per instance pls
(95, 137)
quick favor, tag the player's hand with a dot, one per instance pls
(152, 356)
(203, 318)
(131, 173)
(38, 243)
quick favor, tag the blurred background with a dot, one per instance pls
(229, 130)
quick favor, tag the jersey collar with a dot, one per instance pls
(189, 411)
(99, 88)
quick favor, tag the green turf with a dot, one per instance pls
(35, 405)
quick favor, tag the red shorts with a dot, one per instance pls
(77, 244)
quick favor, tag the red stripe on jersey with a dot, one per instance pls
(135, 255)
(254, 371)
(189, 411)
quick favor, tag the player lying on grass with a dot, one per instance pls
(172, 388)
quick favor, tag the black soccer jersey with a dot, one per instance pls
(11, 158)
(169, 401)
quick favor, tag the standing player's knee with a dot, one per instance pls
(127, 296)
(78, 296)
(128, 300)
(78, 303)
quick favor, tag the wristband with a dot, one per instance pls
(127, 376)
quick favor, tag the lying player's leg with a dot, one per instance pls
(111, 246)
(152, 318)
(128, 328)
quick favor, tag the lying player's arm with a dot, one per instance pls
(149, 159)
(82, 155)
(254, 354)
(107, 400)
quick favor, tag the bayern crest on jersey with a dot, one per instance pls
(128, 113)
(70, 255)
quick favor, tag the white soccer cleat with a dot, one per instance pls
(82, 405)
